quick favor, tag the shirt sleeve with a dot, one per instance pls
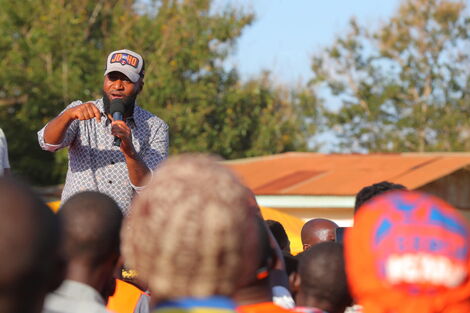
(157, 152)
(70, 133)
(158, 147)
(6, 162)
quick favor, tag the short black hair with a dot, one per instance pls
(323, 276)
(368, 192)
(266, 252)
(279, 233)
(92, 224)
(292, 262)
(29, 241)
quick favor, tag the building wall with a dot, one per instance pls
(341, 216)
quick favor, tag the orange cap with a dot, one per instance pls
(408, 252)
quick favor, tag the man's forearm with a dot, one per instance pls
(54, 132)
(137, 169)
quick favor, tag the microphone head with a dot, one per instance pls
(117, 105)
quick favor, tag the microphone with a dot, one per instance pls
(117, 109)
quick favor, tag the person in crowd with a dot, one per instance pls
(29, 245)
(4, 160)
(280, 234)
(107, 154)
(322, 280)
(368, 192)
(91, 238)
(254, 293)
(409, 252)
(277, 275)
(128, 298)
(317, 230)
(292, 265)
(186, 233)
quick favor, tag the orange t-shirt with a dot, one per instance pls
(263, 307)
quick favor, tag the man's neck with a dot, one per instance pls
(82, 273)
(253, 294)
(311, 302)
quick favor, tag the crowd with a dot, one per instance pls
(197, 242)
(140, 233)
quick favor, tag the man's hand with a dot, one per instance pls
(123, 132)
(55, 130)
(85, 111)
(135, 165)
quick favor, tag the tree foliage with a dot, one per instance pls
(402, 86)
(53, 52)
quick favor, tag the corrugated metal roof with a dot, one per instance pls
(342, 174)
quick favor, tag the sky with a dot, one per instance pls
(286, 33)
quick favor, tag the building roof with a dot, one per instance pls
(316, 174)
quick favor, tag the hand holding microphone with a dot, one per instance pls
(117, 111)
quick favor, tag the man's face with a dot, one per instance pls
(117, 86)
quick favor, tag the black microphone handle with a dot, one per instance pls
(117, 141)
(117, 116)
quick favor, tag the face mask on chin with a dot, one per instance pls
(129, 103)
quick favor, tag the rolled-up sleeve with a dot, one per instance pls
(156, 154)
(70, 133)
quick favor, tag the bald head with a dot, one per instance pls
(29, 240)
(318, 230)
(92, 224)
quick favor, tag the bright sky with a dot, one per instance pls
(287, 32)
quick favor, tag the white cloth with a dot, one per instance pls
(282, 297)
(74, 297)
(4, 162)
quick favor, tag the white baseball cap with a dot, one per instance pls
(127, 62)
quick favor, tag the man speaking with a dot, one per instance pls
(106, 154)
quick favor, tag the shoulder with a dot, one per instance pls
(149, 118)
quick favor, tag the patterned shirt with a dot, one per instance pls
(4, 162)
(96, 164)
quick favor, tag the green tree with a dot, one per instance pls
(402, 86)
(54, 52)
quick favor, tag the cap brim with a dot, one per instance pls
(133, 76)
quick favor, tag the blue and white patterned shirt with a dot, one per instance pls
(95, 164)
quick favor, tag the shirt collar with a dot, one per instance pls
(77, 290)
(133, 121)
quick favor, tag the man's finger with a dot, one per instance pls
(96, 113)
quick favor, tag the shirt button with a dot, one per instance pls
(110, 181)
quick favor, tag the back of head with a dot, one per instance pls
(185, 231)
(368, 192)
(318, 230)
(29, 239)
(409, 252)
(92, 224)
(323, 278)
(280, 234)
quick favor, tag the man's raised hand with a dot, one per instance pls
(85, 111)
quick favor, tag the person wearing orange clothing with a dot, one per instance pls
(409, 252)
(128, 298)
(255, 294)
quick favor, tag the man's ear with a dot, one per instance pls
(294, 282)
(139, 85)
